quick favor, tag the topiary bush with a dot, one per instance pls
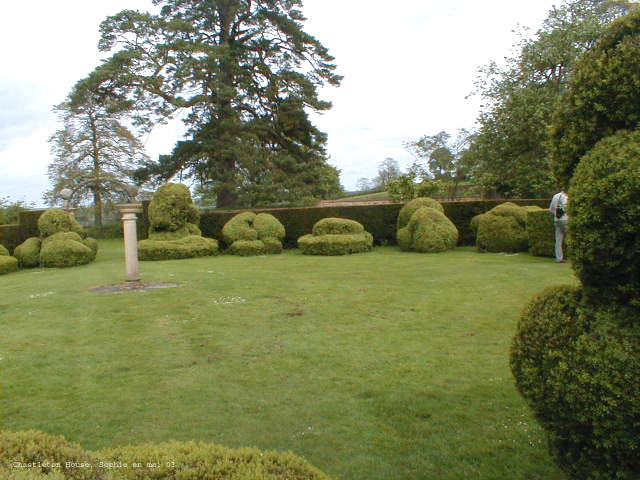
(173, 227)
(8, 263)
(502, 229)
(576, 355)
(412, 206)
(604, 209)
(165, 461)
(577, 368)
(28, 253)
(428, 231)
(63, 242)
(249, 234)
(33, 447)
(336, 236)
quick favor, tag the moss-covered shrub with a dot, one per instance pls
(172, 208)
(352, 238)
(577, 368)
(249, 234)
(604, 209)
(57, 220)
(541, 233)
(173, 227)
(428, 231)
(412, 206)
(28, 253)
(33, 447)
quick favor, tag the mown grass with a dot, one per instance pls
(373, 366)
(367, 196)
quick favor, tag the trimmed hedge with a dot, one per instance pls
(170, 460)
(428, 231)
(380, 220)
(249, 234)
(28, 252)
(336, 236)
(10, 236)
(8, 264)
(186, 247)
(541, 232)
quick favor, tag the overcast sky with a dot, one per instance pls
(408, 66)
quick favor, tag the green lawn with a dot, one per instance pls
(384, 365)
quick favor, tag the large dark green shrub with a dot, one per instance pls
(604, 210)
(173, 229)
(413, 206)
(498, 233)
(602, 97)
(65, 249)
(578, 368)
(57, 220)
(541, 233)
(336, 236)
(10, 236)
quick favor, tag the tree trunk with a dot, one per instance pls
(97, 207)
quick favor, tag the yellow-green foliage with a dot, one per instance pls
(172, 208)
(165, 461)
(428, 231)
(541, 233)
(337, 226)
(185, 247)
(8, 264)
(249, 234)
(173, 230)
(57, 220)
(411, 207)
(349, 237)
(3, 251)
(28, 252)
(33, 447)
(502, 229)
(501, 234)
(65, 249)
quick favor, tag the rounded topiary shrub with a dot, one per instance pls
(428, 231)
(541, 233)
(65, 249)
(173, 230)
(198, 460)
(501, 234)
(604, 237)
(336, 236)
(28, 252)
(33, 447)
(412, 206)
(8, 263)
(577, 368)
(249, 234)
(172, 208)
(57, 220)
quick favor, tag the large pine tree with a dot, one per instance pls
(246, 74)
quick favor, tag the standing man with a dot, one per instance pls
(558, 208)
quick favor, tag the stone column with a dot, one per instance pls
(128, 211)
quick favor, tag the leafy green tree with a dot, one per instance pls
(95, 153)
(245, 73)
(510, 150)
(363, 183)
